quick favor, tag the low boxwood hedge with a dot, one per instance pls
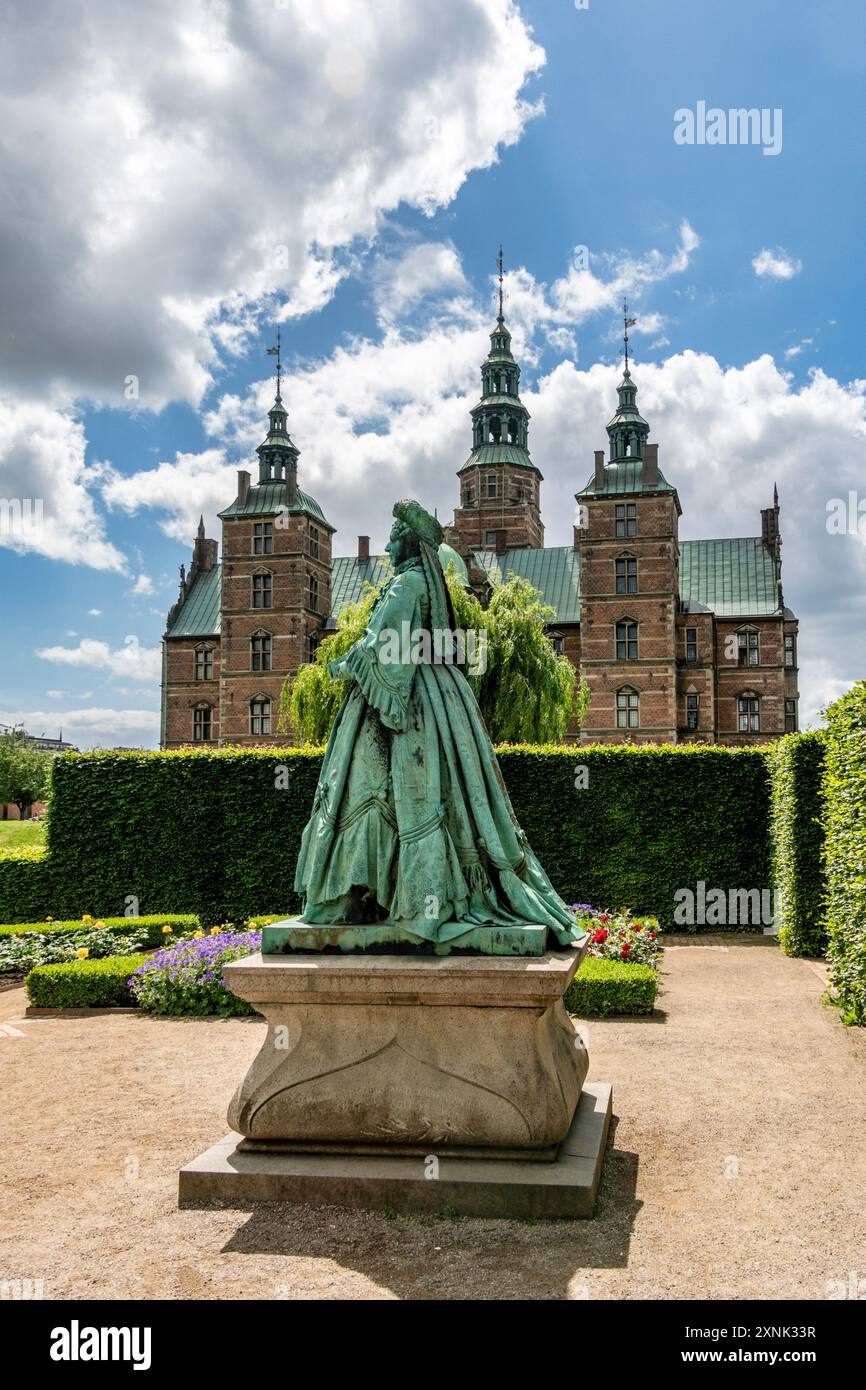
(154, 926)
(604, 987)
(83, 984)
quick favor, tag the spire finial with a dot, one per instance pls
(499, 264)
(628, 323)
(275, 352)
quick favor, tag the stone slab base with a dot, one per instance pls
(291, 935)
(225, 1176)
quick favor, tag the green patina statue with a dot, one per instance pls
(413, 840)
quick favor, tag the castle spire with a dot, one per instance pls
(278, 455)
(499, 264)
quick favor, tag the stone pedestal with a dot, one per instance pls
(406, 1053)
(450, 1084)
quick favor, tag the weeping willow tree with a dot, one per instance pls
(526, 691)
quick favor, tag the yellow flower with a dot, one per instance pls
(214, 931)
(49, 919)
(197, 936)
(166, 930)
(87, 917)
(252, 924)
(99, 924)
(83, 953)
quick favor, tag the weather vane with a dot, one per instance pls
(499, 264)
(629, 323)
(275, 352)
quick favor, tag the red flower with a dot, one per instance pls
(653, 935)
(603, 917)
(638, 926)
(625, 950)
(600, 936)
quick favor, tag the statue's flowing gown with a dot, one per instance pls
(411, 804)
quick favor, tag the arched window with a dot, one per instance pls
(626, 640)
(202, 724)
(260, 715)
(748, 713)
(626, 574)
(260, 651)
(513, 431)
(627, 708)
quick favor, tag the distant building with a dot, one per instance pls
(678, 640)
(9, 811)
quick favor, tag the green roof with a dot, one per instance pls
(266, 499)
(349, 575)
(627, 477)
(554, 572)
(487, 454)
(735, 578)
(200, 613)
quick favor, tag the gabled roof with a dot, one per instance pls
(735, 578)
(349, 574)
(200, 613)
(266, 499)
(554, 572)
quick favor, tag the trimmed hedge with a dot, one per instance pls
(604, 987)
(218, 833)
(25, 882)
(844, 791)
(796, 814)
(83, 984)
(153, 925)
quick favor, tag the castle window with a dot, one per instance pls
(202, 717)
(467, 496)
(314, 543)
(627, 708)
(691, 644)
(260, 652)
(749, 712)
(790, 650)
(790, 716)
(204, 664)
(626, 640)
(312, 643)
(625, 517)
(747, 648)
(626, 575)
(491, 485)
(691, 711)
(262, 591)
(559, 645)
(513, 432)
(263, 538)
(260, 715)
(314, 592)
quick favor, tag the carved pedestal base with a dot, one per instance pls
(410, 1055)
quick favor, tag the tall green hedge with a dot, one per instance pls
(25, 883)
(217, 833)
(796, 809)
(844, 790)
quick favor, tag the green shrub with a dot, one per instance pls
(844, 792)
(83, 984)
(25, 882)
(217, 832)
(180, 923)
(604, 987)
(23, 951)
(796, 766)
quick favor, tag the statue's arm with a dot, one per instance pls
(376, 661)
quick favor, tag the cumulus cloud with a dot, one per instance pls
(777, 264)
(172, 175)
(131, 661)
(90, 726)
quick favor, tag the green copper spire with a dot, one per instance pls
(627, 430)
(278, 455)
(500, 420)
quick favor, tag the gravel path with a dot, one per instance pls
(737, 1166)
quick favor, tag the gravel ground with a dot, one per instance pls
(736, 1167)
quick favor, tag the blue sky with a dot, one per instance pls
(159, 226)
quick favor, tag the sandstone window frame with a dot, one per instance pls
(625, 520)
(691, 645)
(626, 638)
(202, 722)
(261, 590)
(748, 645)
(203, 662)
(625, 571)
(693, 708)
(627, 707)
(260, 716)
(261, 650)
(748, 712)
(263, 538)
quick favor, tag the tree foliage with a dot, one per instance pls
(24, 771)
(527, 693)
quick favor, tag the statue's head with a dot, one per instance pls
(402, 544)
(412, 525)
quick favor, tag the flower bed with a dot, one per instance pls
(618, 936)
(21, 952)
(187, 978)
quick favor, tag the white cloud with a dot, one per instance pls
(429, 269)
(131, 661)
(143, 585)
(94, 612)
(91, 727)
(194, 484)
(777, 264)
(44, 477)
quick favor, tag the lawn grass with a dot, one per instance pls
(21, 832)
